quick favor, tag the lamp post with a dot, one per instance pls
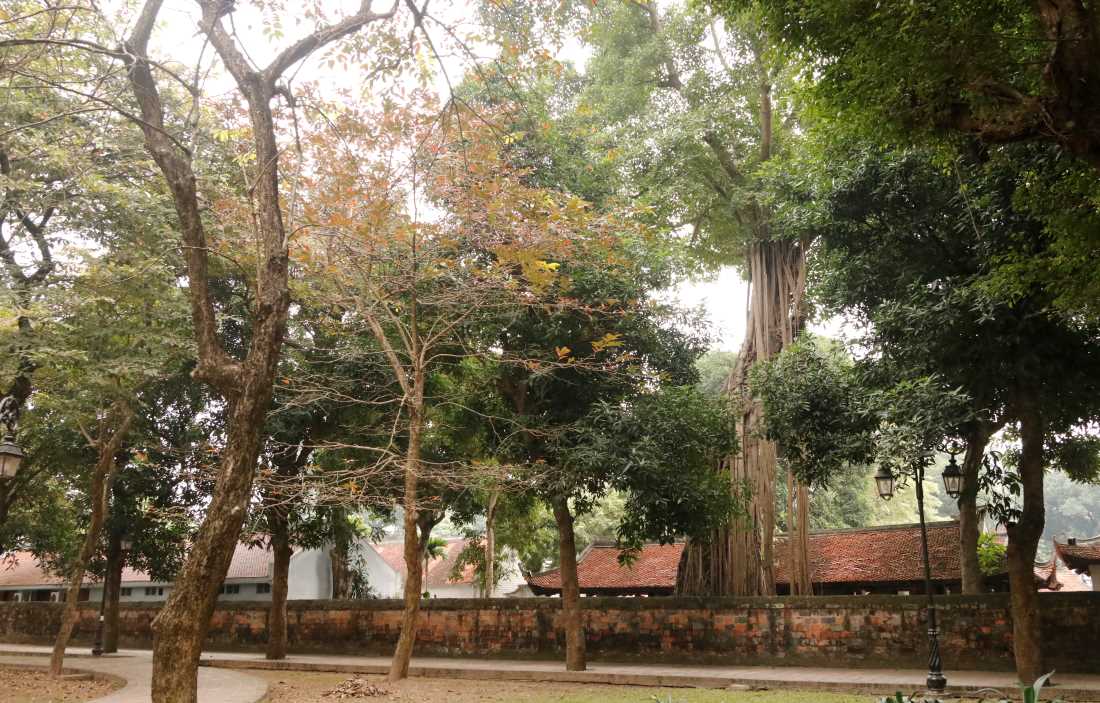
(124, 545)
(952, 481)
(11, 456)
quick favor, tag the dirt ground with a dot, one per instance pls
(303, 687)
(31, 686)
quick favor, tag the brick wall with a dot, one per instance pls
(828, 631)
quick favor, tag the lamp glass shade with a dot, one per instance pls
(126, 544)
(11, 456)
(884, 481)
(952, 479)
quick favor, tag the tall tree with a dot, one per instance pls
(126, 332)
(915, 252)
(244, 383)
(992, 73)
(681, 113)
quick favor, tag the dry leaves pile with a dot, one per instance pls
(356, 688)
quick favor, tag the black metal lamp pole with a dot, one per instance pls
(936, 681)
(952, 480)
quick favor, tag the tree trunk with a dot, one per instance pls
(739, 560)
(973, 581)
(180, 628)
(414, 582)
(489, 587)
(112, 591)
(341, 574)
(572, 617)
(798, 537)
(1023, 541)
(113, 430)
(276, 619)
(246, 384)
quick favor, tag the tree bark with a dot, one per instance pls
(112, 431)
(246, 385)
(112, 591)
(341, 574)
(739, 560)
(489, 587)
(276, 619)
(572, 617)
(973, 580)
(1023, 541)
(414, 582)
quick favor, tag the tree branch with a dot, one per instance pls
(307, 45)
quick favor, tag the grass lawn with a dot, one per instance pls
(308, 687)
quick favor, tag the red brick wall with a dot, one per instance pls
(828, 631)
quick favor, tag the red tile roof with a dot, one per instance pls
(1054, 576)
(23, 569)
(866, 555)
(1081, 555)
(599, 568)
(878, 554)
(440, 569)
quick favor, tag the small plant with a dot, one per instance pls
(1029, 694)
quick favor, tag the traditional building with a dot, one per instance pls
(1082, 556)
(22, 577)
(842, 562)
(386, 573)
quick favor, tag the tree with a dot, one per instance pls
(1005, 72)
(815, 413)
(244, 383)
(986, 73)
(913, 251)
(61, 179)
(123, 332)
(719, 95)
(608, 345)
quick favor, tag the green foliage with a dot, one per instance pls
(966, 77)
(991, 555)
(661, 451)
(813, 410)
(714, 370)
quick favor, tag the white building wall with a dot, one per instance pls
(461, 590)
(310, 576)
(383, 580)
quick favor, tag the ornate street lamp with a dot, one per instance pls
(953, 477)
(884, 482)
(11, 457)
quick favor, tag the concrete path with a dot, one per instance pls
(221, 679)
(1076, 687)
(136, 668)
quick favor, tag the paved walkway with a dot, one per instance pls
(221, 681)
(1077, 687)
(136, 667)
